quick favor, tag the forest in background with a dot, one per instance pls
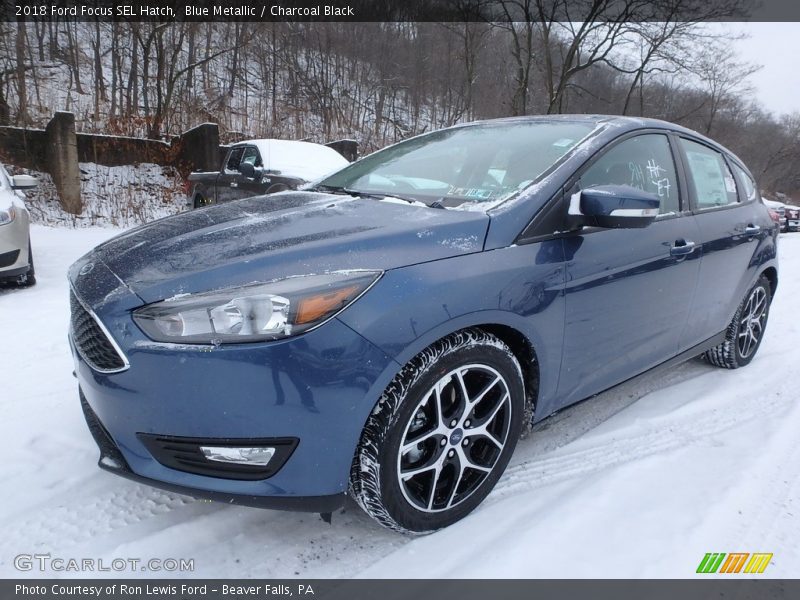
(382, 82)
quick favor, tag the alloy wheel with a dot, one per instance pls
(751, 323)
(454, 438)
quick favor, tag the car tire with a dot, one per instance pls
(200, 201)
(746, 330)
(28, 278)
(460, 400)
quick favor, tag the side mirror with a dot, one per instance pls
(614, 207)
(23, 182)
(249, 171)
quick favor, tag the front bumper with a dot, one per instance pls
(317, 388)
(111, 460)
(14, 259)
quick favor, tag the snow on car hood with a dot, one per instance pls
(282, 235)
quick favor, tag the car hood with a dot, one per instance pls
(271, 237)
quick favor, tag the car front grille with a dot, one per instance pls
(91, 341)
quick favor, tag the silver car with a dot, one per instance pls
(16, 258)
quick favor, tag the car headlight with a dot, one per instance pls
(252, 313)
(7, 215)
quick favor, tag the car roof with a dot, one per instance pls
(305, 160)
(622, 124)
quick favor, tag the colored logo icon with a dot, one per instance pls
(734, 562)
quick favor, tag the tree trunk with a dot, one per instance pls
(22, 88)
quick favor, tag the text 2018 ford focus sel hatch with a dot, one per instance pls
(391, 331)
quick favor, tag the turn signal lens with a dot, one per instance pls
(313, 308)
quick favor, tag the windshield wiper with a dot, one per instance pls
(381, 196)
(331, 189)
(359, 194)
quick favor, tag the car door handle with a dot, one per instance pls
(682, 248)
(234, 184)
(752, 229)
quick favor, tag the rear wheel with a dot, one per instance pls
(746, 329)
(441, 435)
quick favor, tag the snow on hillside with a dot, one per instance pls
(641, 481)
(122, 196)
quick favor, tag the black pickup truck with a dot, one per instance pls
(257, 167)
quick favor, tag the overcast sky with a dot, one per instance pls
(775, 46)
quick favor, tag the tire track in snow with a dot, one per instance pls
(87, 516)
(83, 517)
(664, 435)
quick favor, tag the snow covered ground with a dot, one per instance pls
(638, 482)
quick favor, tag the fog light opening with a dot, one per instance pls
(257, 456)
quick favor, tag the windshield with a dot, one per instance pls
(484, 163)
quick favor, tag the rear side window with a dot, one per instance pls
(710, 177)
(234, 158)
(644, 162)
(749, 185)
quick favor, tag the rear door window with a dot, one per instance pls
(748, 185)
(709, 176)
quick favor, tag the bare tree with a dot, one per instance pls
(22, 86)
(518, 18)
(723, 76)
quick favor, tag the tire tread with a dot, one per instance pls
(365, 475)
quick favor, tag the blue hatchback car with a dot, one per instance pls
(391, 331)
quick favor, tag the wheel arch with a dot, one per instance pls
(520, 344)
(771, 273)
(525, 353)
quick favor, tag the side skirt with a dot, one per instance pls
(678, 359)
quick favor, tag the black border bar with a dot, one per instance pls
(399, 10)
(712, 587)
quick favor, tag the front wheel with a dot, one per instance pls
(746, 329)
(441, 435)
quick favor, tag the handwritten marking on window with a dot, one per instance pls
(662, 183)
